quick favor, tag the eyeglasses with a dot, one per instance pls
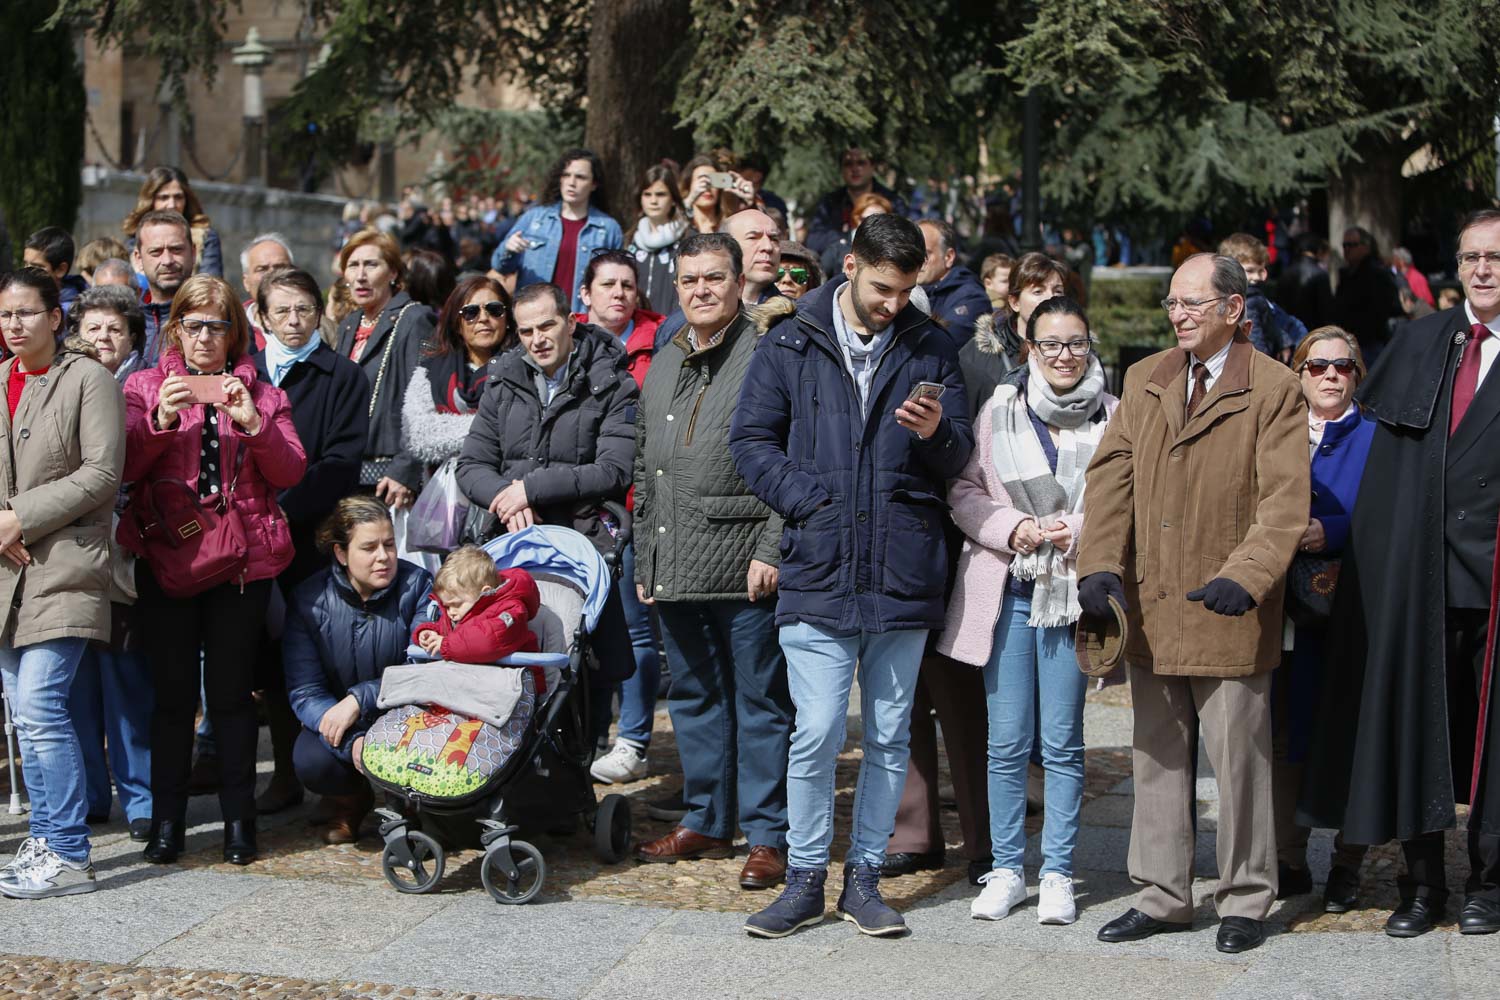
(799, 274)
(1471, 258)
(1318, 367)
(215, 328)
(1054, 348)
(1193, 307)
(24, 315)
(301, 312)
(470, 312)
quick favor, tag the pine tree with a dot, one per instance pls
(41, 121)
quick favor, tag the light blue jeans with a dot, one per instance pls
(638, 692)
(1032, 685)
(37, 679)
(820, 669)
(110, 704)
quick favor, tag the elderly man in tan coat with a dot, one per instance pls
(1198, 497)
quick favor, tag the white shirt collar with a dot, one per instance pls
(1215, 366)
(1493, 324)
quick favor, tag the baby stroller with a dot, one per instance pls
(442, 765)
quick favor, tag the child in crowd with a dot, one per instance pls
(51, 249)
(484, 610)
(1273, 330)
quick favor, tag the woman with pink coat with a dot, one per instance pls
(237, 441)
(1019, 503)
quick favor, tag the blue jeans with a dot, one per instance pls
(638, 694)
(820, 668)
(732, 715)
(111, 702)
(1032, 684)
(37, 678)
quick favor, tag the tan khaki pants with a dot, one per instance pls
(1233, 716)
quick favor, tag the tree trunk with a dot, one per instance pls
(631, 86)
(1368, 194)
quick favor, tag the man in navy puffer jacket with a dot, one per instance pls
(828, 433)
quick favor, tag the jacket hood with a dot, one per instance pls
(993, 333)
(768, 313)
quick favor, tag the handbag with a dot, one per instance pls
(1311, 583)
(190, 544)
(437, 518)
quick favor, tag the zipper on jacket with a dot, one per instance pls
(697, 405)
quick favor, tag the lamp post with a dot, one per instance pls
(253, 57)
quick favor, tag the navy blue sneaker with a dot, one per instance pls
(861, 905)
(799, 905)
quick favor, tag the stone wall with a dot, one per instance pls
(308, 221)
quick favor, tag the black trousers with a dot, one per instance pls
(1465, 635)
(219, 629)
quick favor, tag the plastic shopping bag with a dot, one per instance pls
(437, 518)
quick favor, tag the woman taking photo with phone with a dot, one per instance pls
(60, 470)
(208, 447)
(1019, 502)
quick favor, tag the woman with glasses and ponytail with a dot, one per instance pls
(1019, 503)
(1330, 366)
(475, 325)
(202, 425)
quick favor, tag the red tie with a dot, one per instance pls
(1467, 380)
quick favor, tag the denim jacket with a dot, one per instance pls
(543, 226)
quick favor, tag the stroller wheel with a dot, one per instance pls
(612, 829)
(422, 872)
(530, 873)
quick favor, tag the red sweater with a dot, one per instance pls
(495, 626)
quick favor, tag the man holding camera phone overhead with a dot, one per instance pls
(830, 434)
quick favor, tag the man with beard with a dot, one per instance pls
(1408, 694)
(164, 254)
(850, 422)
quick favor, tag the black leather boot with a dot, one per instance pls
(239, 841)
(165, 841)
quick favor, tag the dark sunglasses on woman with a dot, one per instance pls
(470, 312)
(799, 274)
(1344, 366)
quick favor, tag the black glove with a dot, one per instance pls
(1095, 590)
(1223, 597)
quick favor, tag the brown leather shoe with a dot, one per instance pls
(764, 868)
(347, 812)
(683, 844)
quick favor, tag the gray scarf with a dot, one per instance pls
(1070, 409)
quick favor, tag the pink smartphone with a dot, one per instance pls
(206, 388)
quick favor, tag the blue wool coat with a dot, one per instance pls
(863, 497)
(337, 645)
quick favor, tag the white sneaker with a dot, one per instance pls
(25, 854)
(624, 762)
(1056, 904)
(1003, 889)
(49, 875)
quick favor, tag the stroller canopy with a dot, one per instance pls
(562, 552)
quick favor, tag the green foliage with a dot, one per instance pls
(1126, 312)
(41, 125)
(496, 150)
(1172, 107)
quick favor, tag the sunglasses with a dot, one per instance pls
(470, 312)
(799, 274)
(1344, 366)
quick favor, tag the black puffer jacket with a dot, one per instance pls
(572, 454)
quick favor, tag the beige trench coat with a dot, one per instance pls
(60, 471)
(1173, 503)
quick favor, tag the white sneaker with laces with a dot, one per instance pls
(1003, 889)
(25, 854)
(50, 875)
(1056, 904)
(624, 762)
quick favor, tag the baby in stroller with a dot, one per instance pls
(483, 610)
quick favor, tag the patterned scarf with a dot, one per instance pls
(1034, 489)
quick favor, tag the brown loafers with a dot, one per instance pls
(683, 844)
(764, 868)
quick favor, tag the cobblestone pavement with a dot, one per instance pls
(309, 920)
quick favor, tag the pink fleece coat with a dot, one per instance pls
(984, 513)
(275, 460)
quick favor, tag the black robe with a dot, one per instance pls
(1383, 764)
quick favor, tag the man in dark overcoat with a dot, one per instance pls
(1408, 694)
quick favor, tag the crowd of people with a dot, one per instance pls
(852, 457)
